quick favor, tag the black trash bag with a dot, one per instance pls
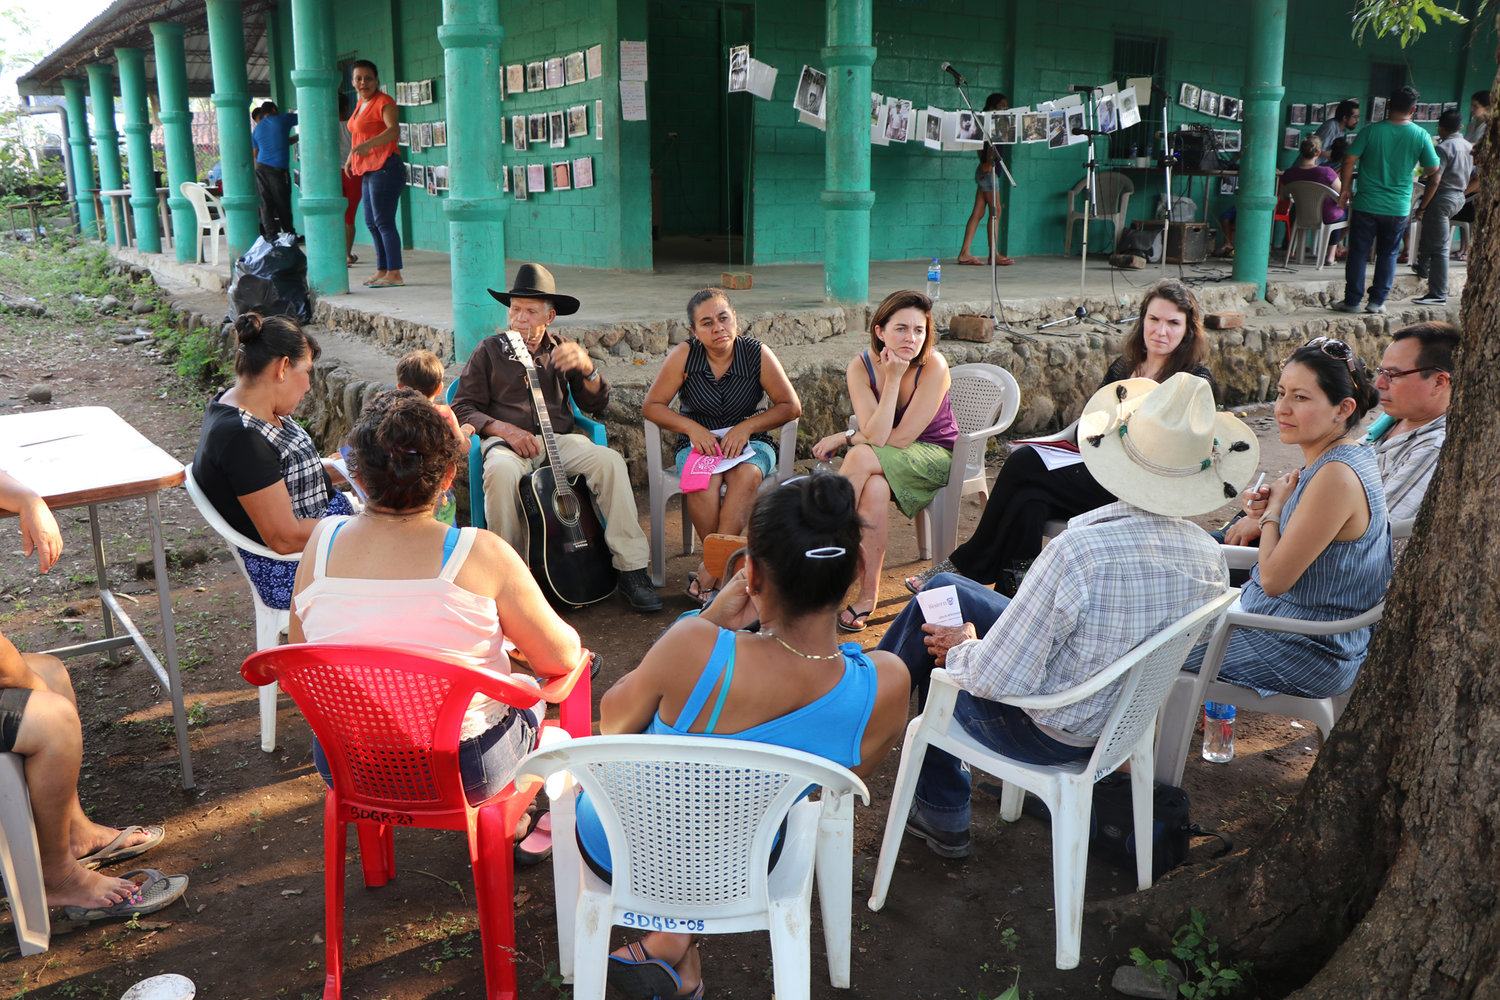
(270, 279)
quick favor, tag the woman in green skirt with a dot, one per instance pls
(904, 444)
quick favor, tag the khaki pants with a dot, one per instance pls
(604, 471)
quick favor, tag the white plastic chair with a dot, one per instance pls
(1307, 220)
(1184, 704)
(1112, 191)
(1145, 675)
(663, 483)
(21, 859)
(985, 400)
(270, 622)
(691, 823)
(209, 211)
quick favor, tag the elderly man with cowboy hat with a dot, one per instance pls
(1116, 577)
(493, 398)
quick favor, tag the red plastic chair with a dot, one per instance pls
(388, 722)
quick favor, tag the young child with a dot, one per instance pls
(423, 372)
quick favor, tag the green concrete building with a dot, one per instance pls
(730, 177)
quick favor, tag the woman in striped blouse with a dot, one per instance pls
(721, 378)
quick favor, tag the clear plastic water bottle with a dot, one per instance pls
(934, 279)
(1218, 732)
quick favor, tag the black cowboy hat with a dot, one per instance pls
(533, 281)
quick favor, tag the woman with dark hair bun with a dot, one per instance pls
(1167, 338)
(794, 686)
(1325, 542)
(257, 466)
(395, 576)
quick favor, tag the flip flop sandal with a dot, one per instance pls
(385, 284)
(641, 977)
(1004, 261)
(116, 850)
(860, 619)
(536, 847)
(155, 891)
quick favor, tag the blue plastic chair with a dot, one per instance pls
(587, 425)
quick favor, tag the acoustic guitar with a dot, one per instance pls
(566, 552)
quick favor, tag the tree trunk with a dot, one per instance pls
(1383, 878)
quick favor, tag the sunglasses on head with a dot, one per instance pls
(1335, 349)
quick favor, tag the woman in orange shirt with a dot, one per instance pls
(373, 158)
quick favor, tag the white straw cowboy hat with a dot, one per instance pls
(1164, 448)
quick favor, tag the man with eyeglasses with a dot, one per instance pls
(1414, 379)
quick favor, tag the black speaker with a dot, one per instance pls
(1197, 150)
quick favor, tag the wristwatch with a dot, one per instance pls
(593, 375)
(849, 434)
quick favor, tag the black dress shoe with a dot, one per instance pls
(635, 584)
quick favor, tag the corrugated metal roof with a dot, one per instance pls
(128, 23)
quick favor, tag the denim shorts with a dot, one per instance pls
(763, 457)
(12, 708)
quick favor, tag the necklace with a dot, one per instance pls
(806, 656)
(381, 515)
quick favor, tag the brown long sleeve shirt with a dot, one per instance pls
(493, 387)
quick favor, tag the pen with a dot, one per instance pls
(1256, 487)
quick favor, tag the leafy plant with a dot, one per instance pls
(1197, 951)
(1406, 20)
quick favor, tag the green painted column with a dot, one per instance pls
(177, 126)
(316, 79)
(1262, 96)
(138, 147)
(231, 97)
(111, 176)
(847, 197)
(85, 186)
(470, 35)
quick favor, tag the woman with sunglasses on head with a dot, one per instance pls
(903, 447)
(1167, 338)
(791, 684)
(1325, 542)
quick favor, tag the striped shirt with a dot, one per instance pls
(1116, 577)
(1406, 464)
(715, 403)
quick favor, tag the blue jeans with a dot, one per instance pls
(1383, 232)
(381, 192)
(943, 785)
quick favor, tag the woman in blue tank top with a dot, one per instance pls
(791, 684)
(1325, 541)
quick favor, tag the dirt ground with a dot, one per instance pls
(250, 835)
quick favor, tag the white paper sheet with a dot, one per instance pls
(1052, 457)
(1142, 87)
(940, 606)
(633, 100)
(762, 79)
(633, 62)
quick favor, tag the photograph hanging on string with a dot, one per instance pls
(578, 121)
(536, 76)
(536, 177)
(739, 68)
(418, 175)
(1229, 140)
(1229, 107)
(536, 128)
(426, 134)
(432, 180)
(932, 127)
(1377, 109)
(562, 178)
(811, 91)
(515, 78)
(1291, 138)
(1109, 115)
(1057, 128)
(1188, 97)
(554, 72)
(518, 182)
(1034, 126)
(1005, 126)
(440, 133)
(573, 69)
(557, 128)
(898, 120)
(1208, 103)
(1130, 112)
(599, 120)
(403, 134)
(518, 132)
(426, 91)
(1296, 114)
(583, 172)
(593, 56)
(968, 127)
(1077, 122)
(504, 180)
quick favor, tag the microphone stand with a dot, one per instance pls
(992, 225)
(1081, 312)
(1167, 159)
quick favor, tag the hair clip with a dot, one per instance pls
(826, 552)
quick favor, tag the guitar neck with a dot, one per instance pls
(522, 355)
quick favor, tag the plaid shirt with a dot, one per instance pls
(1406, 464)
(1116, 577)
(301, 465)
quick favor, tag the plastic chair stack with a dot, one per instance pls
(21, 859)
(270, 622)
(663, 483)
(1145, 675)
(388, 722)
(691, 823)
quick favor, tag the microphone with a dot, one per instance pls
(1082, 88)
(957, 76)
